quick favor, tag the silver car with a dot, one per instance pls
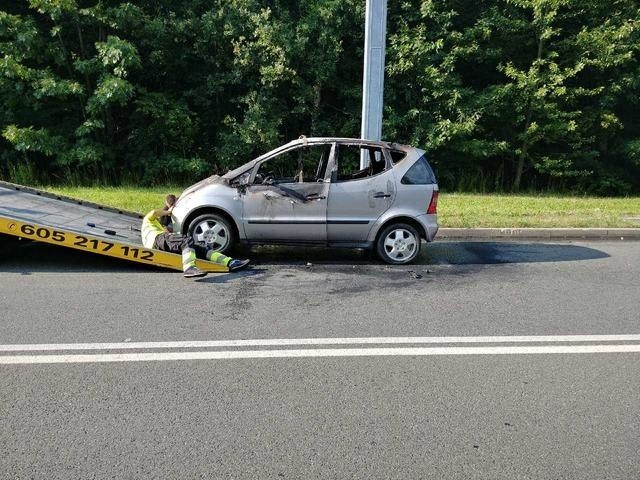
(312, 191)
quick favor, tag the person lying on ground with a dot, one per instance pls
(156, 235)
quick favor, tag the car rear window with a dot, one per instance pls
(420, 173)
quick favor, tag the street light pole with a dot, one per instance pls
(373, 77)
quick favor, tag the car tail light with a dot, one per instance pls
(433, 204)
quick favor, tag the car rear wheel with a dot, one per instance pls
(214, 231)
(398, 244)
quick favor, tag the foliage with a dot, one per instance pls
(505, 95)
(535, 92)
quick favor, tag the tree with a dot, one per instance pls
(503, 94)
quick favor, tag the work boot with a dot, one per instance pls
(235, 265)
(194, 272)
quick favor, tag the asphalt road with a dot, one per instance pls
(390, 414)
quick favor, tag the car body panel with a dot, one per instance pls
(426, 221)
(354, 206)
(268, 214)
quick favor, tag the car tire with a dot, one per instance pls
(398, 244)
(215, 231)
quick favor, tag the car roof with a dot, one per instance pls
(316, 140)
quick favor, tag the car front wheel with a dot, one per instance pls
(398, 244)
(214, 231)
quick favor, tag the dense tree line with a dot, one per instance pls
(503, 94)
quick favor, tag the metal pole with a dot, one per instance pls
(373, 78)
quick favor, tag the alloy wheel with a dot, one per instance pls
(215, 235)
(400, 244)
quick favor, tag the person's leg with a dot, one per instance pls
(192, 250)
(207, 254)
(218, 258)
(221, 259)
(230, 263)
(187, 247)
(161, 243)
(183, 245)
(200, 249)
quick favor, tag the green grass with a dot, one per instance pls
(469, 210)
(134, 199)
(454, 209)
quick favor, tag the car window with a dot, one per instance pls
(420, 173)
(349, 162)
(241, 179)
(302, 164)
(397, 156)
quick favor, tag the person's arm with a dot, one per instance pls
(160, 212)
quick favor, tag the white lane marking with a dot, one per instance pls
(275, 342)
(329, 352)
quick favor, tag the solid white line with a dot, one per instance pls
(309, 353)
(276, 342)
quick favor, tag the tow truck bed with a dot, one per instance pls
(46, 217)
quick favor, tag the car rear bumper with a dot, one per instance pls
(429, 224)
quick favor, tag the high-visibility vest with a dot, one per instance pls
(151, 228)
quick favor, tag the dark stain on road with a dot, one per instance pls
(28, 257)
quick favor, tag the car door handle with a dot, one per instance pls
(381, 195)
(316, 197)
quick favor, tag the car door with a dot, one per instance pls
(358, 197)
(286, 201)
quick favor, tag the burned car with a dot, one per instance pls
(313, 191)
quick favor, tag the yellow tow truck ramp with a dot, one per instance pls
(46, 217)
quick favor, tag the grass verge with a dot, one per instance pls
(537, 211)
(454, 209)
(134, 199)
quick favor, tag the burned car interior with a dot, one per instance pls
(301, 165)
(301, 173)
(298, 174)
(348, 165)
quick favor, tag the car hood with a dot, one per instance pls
(212, 180)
